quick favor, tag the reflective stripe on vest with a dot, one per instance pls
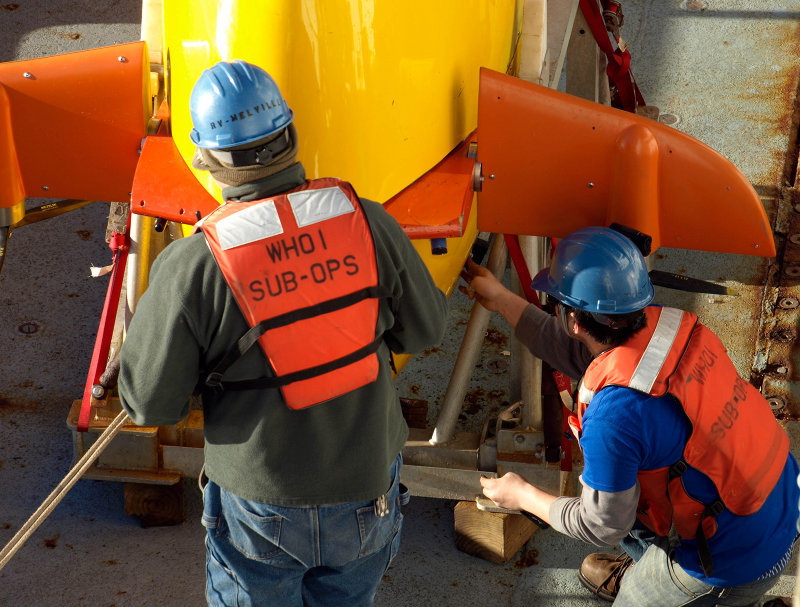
(292, 252)
(655, 355)
(736, 440)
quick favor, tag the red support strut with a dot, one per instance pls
(119, 244)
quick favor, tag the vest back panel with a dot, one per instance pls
(294, 251)
(736, 440)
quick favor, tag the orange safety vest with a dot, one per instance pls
(735, 441)
(302, 268)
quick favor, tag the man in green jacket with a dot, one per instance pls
(303, 427)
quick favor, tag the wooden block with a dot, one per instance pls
(155, 505)
(491, 536)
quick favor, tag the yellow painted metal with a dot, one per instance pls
(381, 91)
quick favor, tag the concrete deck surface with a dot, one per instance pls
(718, 69)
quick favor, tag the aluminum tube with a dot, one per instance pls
(139, 251)
(146, 244)
(530, 366)
(468, 354)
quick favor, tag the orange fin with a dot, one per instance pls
(72, 124)
(553, 163)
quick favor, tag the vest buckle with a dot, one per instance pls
(213, 383)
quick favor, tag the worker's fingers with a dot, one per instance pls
(109, 377)
(467, 290)
(471, 269)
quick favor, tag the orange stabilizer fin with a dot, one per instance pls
(553, 163)
(72, 124)
(165, 187)
(438, 204)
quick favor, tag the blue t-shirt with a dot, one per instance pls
(625, 431)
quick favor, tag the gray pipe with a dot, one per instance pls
(468, 354)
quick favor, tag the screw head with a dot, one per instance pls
(788, 303)
(776, 403)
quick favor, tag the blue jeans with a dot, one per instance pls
(310, 556)
(658, 581)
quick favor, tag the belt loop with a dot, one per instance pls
(404, 495)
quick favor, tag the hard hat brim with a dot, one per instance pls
(542, 282)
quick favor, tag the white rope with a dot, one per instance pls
(61, 490)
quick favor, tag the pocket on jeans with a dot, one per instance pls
(256, 536)
(377, 531)
(395, 543)
(689, 585)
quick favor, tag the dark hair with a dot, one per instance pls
(624, 326)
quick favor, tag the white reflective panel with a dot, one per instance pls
(252, 224)
(313, 206)
(584, 394)
(655, 355)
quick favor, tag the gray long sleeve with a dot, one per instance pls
(601, 518)
(543, 336)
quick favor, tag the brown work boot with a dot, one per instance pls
(602, 573)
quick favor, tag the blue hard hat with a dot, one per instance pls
(597, 270)
(234, 104)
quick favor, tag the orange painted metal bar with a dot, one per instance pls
(553, 163)
(438, 204)
(165, 187)
(72, 124)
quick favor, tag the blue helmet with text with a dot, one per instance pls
(236, 103)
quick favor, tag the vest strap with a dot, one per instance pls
(703, 551)
(677, 469)
(214, 381)
(283, 380)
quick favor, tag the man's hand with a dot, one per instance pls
(513, 492)
(490, 292)
(508, 491)
(482, 285)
